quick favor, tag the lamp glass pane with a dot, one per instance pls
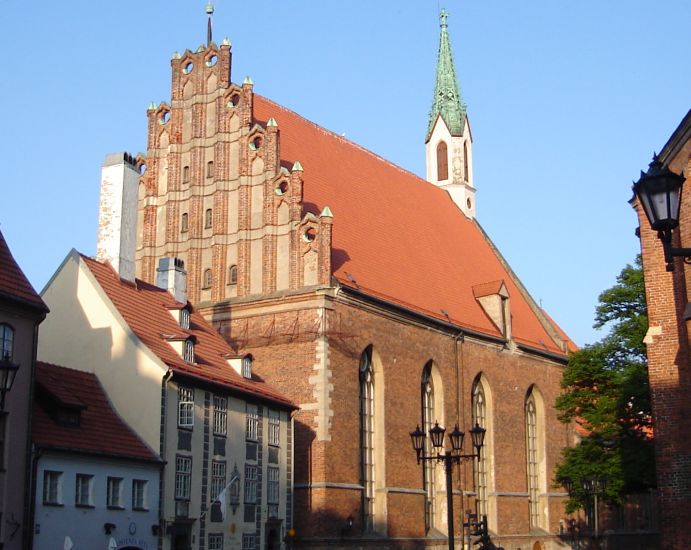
(436, 434)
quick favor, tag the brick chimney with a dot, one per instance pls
(117, 217)
(171, 276)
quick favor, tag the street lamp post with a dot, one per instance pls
(594, 487)
(447, 457)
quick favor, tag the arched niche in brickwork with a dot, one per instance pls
(257, 166)
(211, 83)
(482, 413)
(310, 268)
(188, 89)
(282, 213)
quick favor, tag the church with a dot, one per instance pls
(369, 296)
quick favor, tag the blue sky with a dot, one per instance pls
(567, 102)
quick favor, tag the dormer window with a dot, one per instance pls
(188, 355)
(185, 318)
(247, 367)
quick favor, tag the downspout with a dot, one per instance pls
(36, 454)
(161, 476)
(28, 528)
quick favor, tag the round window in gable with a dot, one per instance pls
(309, 235)
(164, 118)
(142, 169)
(257, 142)
(234, 100)
(211, 60)
(188, 68)
(281, 188)
(469, 203)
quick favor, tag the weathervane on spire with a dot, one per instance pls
(209, 13)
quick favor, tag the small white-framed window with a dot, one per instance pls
(6, 342)
(185, 407)
(83, 494)
(140, 488)
(215, 541)
(252, 422)
(52, 488)
(233, 275)
(274, 428)
(218, 478)
(114, 492)
(247, 366)
(272, 490)
(249, 541)
(220, 415)
(250, 484)
(183, 477)
(207, 279)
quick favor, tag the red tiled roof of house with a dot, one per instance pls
(100, 430)
(401, 238)
(571, 346)
(147, 311)
(487, 289)
(13, 282)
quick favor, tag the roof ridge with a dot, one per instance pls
(346, 140)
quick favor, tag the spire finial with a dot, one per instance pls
(443, 15)
(209, 13)
(447, 100)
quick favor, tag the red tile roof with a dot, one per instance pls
(100, 431)
(401, 238)
(147, 311)
(13, 282)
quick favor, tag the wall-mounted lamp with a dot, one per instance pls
(659, 192)
(108, 528)
(155, 529)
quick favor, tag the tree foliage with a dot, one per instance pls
(606, 394)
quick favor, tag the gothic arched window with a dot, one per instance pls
(479, 404)
(367, 438)
(442, 162)
(531, 430)
(429, 469)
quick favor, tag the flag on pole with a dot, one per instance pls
(221, 498)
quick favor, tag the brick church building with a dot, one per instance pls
(370, 296)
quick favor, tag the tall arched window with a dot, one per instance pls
(465, 160)
(531, 430)
(184, 223)
(233, 275)
(428, 419)
(479, 404)
(6, 342)
(208, 218)
(442, 162)
(367, 438)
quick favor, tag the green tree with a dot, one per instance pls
(606, 394)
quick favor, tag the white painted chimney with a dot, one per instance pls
(117, 217)
(171, 276)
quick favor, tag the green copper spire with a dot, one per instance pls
(447, 94)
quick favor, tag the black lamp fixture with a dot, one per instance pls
(8, 372)
(447, 457)
(659, 192)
